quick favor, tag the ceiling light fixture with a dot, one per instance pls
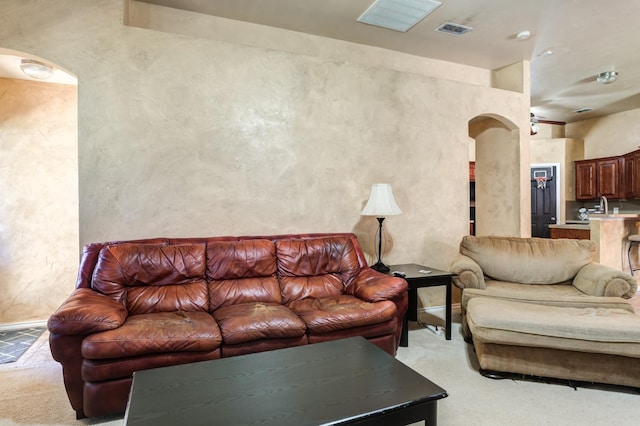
(523, 35)
(607, 77)
(36, 69)
(398, 15)
(545, 53)
(534, 124)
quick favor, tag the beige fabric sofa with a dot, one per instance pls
(542, 307)
(543, 271)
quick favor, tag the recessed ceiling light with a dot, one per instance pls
(607, 77)
(545, 53)
(523, 35)
(36, 69)
(398, 15)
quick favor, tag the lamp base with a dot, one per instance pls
(380, 267)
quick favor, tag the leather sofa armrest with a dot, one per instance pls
(87, 311)
(373, 286)
(468, 273)
(595, 279)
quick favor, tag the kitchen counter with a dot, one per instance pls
(571, 226)
(610, 233)
(616, 216)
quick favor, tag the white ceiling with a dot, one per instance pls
(586, 37)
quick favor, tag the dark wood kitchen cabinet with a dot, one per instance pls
(585, 180)
(632, 175)
(574, 234)
(600, 177)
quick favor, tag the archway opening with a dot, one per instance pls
(39, 220)
(495, 149)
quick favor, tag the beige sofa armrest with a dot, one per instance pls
(468, 273)
(85, 312)
(595, 279)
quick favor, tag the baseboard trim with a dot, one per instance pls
(439, 309)
(19, 325)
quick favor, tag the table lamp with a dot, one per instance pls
(381, 203)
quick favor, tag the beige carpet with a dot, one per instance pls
(33, 392)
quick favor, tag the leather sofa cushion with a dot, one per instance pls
(155, 333)
(232, 260)
(387, 328)
(329, 314)
(247, 322)
(242, 272)
(99, 370)
(528, 260)
(315, 267)
(150, 278)
(263, 345)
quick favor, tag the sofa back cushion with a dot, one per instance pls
(528, 260)
(149, 278)
(241, 272)
(315, 267)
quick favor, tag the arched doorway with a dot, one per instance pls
(499, 203)
(39, 228)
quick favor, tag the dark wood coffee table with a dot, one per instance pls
(348, 381)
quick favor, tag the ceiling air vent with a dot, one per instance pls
(398, 15)
(455, 29)
(581, 110)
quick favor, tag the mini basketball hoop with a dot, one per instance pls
(542, 181)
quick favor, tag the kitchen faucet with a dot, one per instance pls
(604, 204)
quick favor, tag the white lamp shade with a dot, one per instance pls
(381, 202)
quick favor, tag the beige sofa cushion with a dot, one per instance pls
(564, 295)
(597, 330)
(528, 260)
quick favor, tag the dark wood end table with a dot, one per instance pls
(417, 279)
(347, 381)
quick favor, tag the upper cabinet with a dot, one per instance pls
(612, 177)
(609, 177)
(632, 175)
(600, 177)
(585, 180)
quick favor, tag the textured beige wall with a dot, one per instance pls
(195, 135)
(38, 198)
(615, 134)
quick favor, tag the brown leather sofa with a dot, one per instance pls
(158, 302)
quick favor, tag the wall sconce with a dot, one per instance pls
(381, 203)
(36, 69)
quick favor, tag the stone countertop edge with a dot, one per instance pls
(571, 226)
(619, 216)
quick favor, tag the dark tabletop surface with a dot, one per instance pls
(323, 383)
(413, 270)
